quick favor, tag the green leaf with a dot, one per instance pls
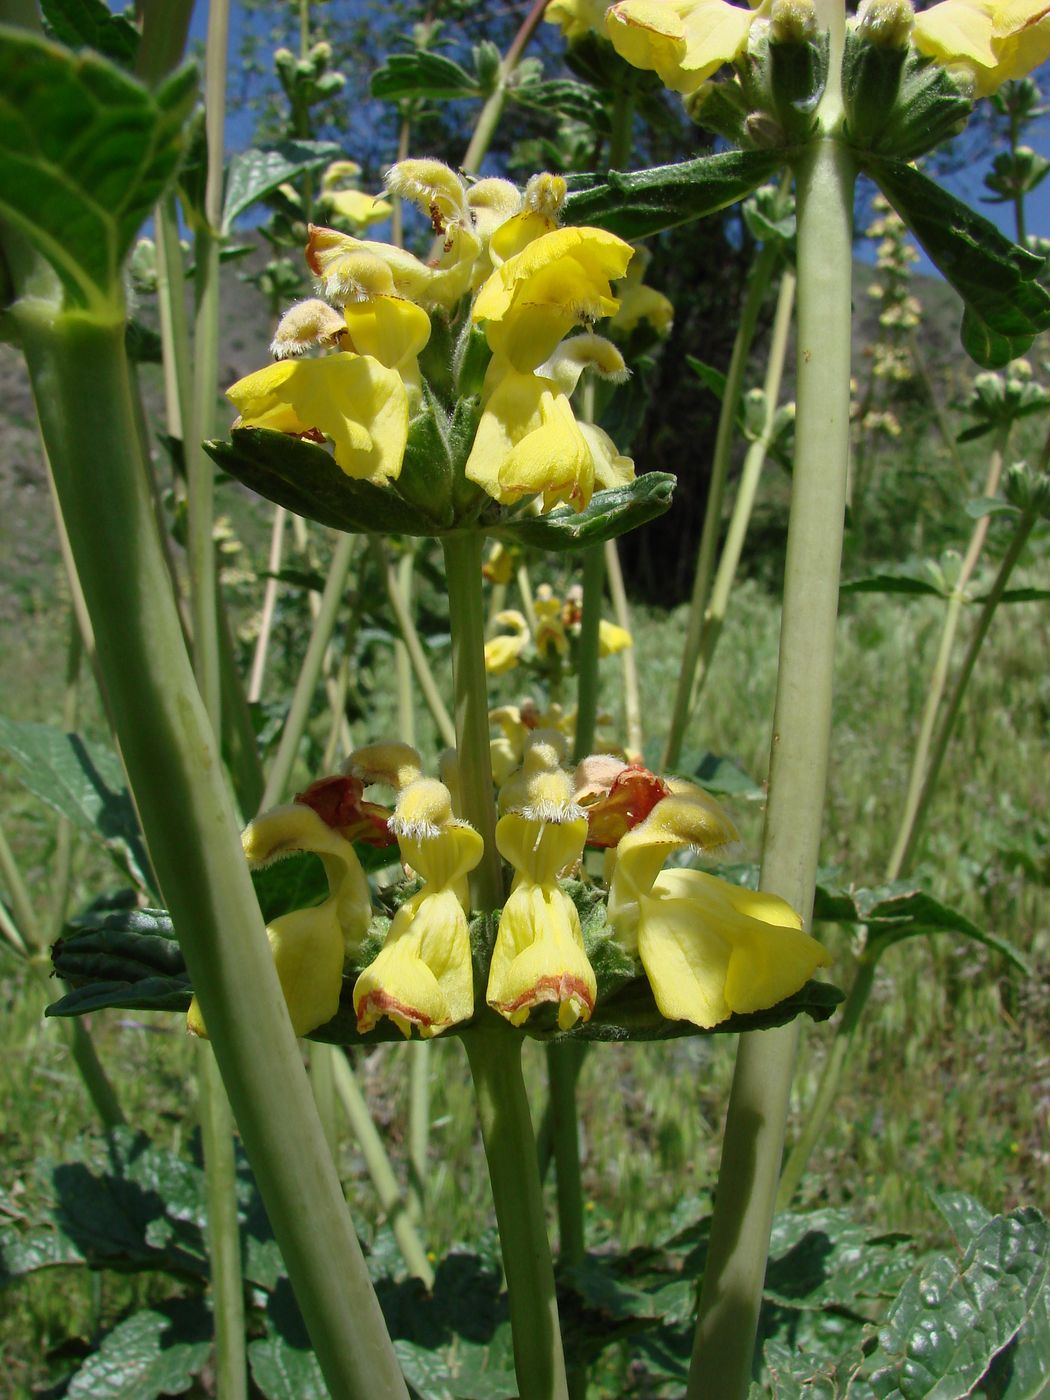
(91, 24)
(85, 152)
(609, 514)
(155, 1352)
(303, 477)
(1021, 1371)
(83, 782)
(954, 1315)
(725, 778)
(128, 959)
(1005, 307)
(979, 506)
(429, 75)
(712, 378)
(256, 173)
(638, 203)
(965, 1215)
(577, 101)
(890, 583)
(1020, 595)
(899, 910)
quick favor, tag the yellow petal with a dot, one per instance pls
(391, 329)
(422, 975)
(353, 399)
(357, 207)
(612, 639)
(537, 849)
(675, 823)
(611, 467)
(684, 41)
(307, 951)
(539, 957)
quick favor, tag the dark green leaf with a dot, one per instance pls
(966, 1216)
(890, 583)
(142, 343)
(91, 24)
(296, 881)
(84, 783)
(256, 173)
(1005, 308)
(298, 578)
(954, 1315)
(1020, 595)
(1021, 1371)
(578, 101)
(725, 778)
(638, 203)
(609, 514)
(712, 378)
(824, 1259)
(128, 959)
(155, 1352)
(303, 477)
(85, 152)
(429, 75)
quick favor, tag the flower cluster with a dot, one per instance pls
(347, 362)
(707, 947)
(558, 623)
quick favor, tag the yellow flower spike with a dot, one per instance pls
(353, 399)
(539, 954)
(304, 327)
(684, 41)
(537, 295)
(308, 945)
(502, 653)
(528, 442)
(580, 352)
(709, 948)
(550, 630)
(423, 974)
(993, 39)
(612, 639)
(395, 764)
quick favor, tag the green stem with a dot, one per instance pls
(754, 1136)
(754, 461)
(587, 650)
(269, 607)
(62, 864)
(322, 1082)
(632, 700)
(338, 711)
(563, 1070)
(406, 715)
(939, 746)
(418, 1125)
(489, 116)
(165, 26)
(467, 619)
(757, 286)
(18, 900)
(379, 1168)
(424, 675)
(838, 1054)
(310, 672)
(224, 1249)
(528, 601)
(79, 375)
(510, 1148)
(918, 776)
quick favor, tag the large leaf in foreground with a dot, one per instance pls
(637, 203)
(1005, 306)
(92, 24)
(85, 151)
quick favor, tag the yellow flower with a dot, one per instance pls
(308, 945)
(502, 653)
(993, 39)
(528, 442)
(709, 948)
(357, 207)
(550, 631)
(577, 17)
(612, 639)
(353, 399)
(684, 41)
(539, 213)
(539, 954)
(423, 975)
(639, 301)
(534, 299)
(349, 269)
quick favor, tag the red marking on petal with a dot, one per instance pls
(632, 796)
(339, 802)
(383, 1003)
(558, 988)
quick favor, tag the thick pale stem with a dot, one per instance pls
(732, 1287)
(310, 673)
(467, 619)
(510, 1148)
(378, 1164)
(80, 383)
(754, 461)
(757, 286)
(322, 1082)
(418, 1125)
